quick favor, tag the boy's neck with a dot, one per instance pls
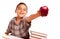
(19, 18)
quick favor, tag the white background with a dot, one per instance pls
(49, 24)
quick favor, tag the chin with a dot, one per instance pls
(21, 16)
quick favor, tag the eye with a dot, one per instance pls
(24, 9)
(18, 8)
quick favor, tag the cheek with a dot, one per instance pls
(25, 12)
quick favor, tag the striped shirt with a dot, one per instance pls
(20, 30)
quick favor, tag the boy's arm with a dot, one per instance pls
(9, 29)
(33, 16)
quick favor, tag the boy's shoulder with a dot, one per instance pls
(14, 18)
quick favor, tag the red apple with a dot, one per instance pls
(44, 10)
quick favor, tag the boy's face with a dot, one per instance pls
(21, 10)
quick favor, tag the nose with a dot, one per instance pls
(22, 11)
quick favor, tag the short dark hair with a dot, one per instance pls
(20, 4)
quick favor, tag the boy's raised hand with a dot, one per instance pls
(43, 11)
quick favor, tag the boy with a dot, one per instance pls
(19, 25)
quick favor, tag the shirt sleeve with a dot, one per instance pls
(9, 28)
(27, 24)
